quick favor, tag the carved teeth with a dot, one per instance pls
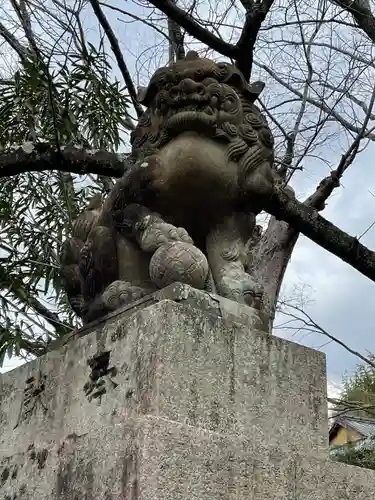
(185, 120)
(209, 110)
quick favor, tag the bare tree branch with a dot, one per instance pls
(186, 21)
(350, 96)
(75, 159)
(272, 254)
(349, 53)
(118, 54)
(137, 18)
(307, 220)
(245, 45)
(13, 42)
(343, 407)
(319, 104)
(292, 136)
(328, 184)
(323, 191)
(361, 12)
(308, 322)
(24, 18)
(247, 4)
(51, 317)
(176, 37)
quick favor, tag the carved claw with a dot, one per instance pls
(120, 293)
(117, 294)
(149, 229)
(242, 289)
(226, 250)
(154, 232)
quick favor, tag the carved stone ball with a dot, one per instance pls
(179, 261)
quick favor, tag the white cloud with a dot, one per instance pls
(334, 389)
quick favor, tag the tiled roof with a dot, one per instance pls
(364, 426)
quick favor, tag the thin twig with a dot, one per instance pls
(137, 18)
(321, 330)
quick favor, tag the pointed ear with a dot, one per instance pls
(254, 90)
(191, 55)
(141, 94)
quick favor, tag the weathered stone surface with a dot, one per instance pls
(153, 458)
(328, 480)
(198, 464)
(196, 406)
(208, 303)
(177, 362)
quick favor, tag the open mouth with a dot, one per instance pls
(195, 118)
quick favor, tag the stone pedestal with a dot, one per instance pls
(180, 396)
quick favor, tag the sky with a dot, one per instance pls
(341, 299)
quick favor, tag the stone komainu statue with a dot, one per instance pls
(200, 166)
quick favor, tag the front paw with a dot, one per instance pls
(252, 292)
(157, 233)
(129, 219)
(120, 293)
(242, 289)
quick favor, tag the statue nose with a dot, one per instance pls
(191, 87)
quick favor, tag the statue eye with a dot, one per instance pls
(224, 71)
(199, 74)
(209, 81)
